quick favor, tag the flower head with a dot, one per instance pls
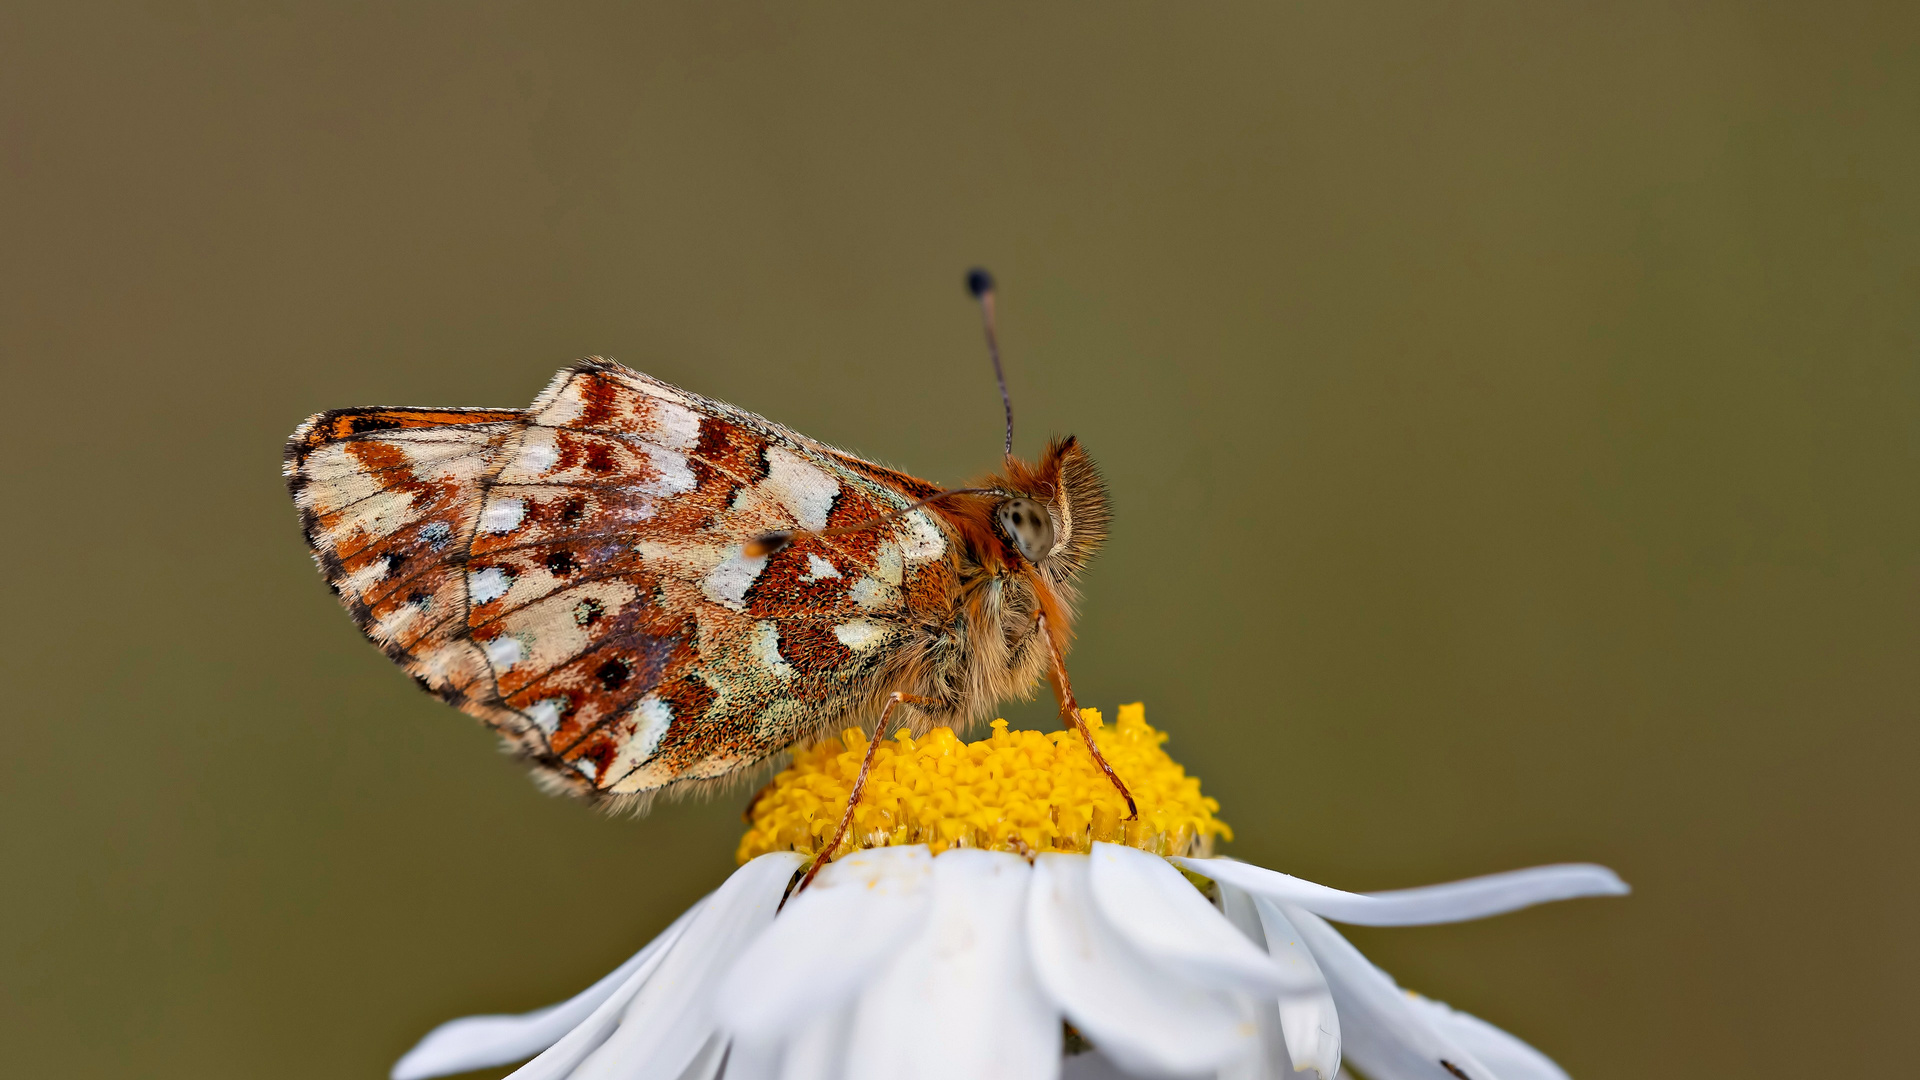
(980, 907)
(1025, 792)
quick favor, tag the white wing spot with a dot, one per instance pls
(818, 569)
(538, 457)
(859, 634)
(651, 719)
(504, 651)
(727, 584)
(801, 487)
(766, 648)
(674, 426)
(872, 593)
(676, 476)
(489, 585)
(503, 515)
(546, 714)
(923, 539)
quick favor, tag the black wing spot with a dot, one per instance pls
(614, 673)
(561, 563)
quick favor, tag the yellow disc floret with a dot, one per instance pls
(1020, 791)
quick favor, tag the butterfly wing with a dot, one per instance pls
(611, 625)
(389, 500)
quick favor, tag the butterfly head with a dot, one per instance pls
(1053, 514)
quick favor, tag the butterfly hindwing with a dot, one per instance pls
(389, 499)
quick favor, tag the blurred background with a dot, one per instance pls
(1510, 411)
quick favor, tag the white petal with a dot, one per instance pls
(475, 1042)
(1145, 1017)
(1387, 1037)
(1506, 1055)
(1308, 1019)
(1270, 1062)
(827, 943)
(1456, 901)
(1303, 1031)
(1165, 917)
(969, 961)
(671, 1018)
(560, 1058)
(706, 1064)
(819, 1050)
(1091, 1065)
(751, 1063)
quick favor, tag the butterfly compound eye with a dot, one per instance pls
(1026, 523)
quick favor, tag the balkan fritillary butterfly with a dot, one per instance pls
(641, 588)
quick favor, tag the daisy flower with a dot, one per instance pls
(990, 914)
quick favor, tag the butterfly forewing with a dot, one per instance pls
(574, 575)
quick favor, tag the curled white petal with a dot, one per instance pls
(476, 1042)
(1309, 1020)
(1146, 1018)
(670, 1019)
(1305, 1027)
(1455, 901)
(1165, 917)
(969, 960)
(1386, 1035)
(827, 943)
(1272, 1061)
(1505, 1054)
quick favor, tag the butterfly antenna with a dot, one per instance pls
(980, 284)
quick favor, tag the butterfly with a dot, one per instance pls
(642, 589)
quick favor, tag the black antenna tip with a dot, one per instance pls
(979, 282)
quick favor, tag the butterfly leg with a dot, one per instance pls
(1070, 712)
(860, 783)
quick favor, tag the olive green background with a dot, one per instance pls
(1510, 411)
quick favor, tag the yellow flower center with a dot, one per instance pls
(1019, 791)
